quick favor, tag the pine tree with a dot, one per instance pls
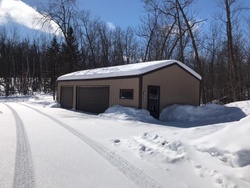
(70, 52)
(52, 70)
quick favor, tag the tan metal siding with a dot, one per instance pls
(176, 87)
(114, 85)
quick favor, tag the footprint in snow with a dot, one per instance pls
(117, 141)
(143, 148)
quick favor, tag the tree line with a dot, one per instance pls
(169, 29)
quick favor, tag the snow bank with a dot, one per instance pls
(218, 154)
(210, 112)
(231, 144)
(44, 100)
(243, 105)
(40, 99)
(127, 113)
(15, 98)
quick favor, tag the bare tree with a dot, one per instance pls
(131, 46)
(190, 24)
(172, 17)
(63, 13)
(89, 33)
(104, 34)
(147, 30)
(230, 17)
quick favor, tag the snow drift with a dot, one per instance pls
(127, 113)
(231, 144)
(212, 113)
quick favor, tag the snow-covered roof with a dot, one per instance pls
(124, 70)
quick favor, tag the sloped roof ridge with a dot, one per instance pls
(124, 70)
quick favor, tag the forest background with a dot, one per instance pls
(168, 29)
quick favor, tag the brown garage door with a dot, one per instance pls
(66, 97)
(93, 99)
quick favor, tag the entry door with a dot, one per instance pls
(154, 101)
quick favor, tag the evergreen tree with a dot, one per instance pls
(52, 70)
(70, 52)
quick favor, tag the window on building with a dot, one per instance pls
(126, 93)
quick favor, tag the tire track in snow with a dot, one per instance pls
(130, 171)
(24, 175)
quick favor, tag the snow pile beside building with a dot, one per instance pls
(127, 113)
(209, 112)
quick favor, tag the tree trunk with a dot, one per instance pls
(197, 58)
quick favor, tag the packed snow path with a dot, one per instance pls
(133, 173)
(24, 173)
(25, 176)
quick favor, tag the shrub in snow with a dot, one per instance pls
(209, 112)
(127, 113)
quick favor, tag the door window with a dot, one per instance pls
(154, 100)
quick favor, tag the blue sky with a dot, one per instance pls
(121, 13)
(128, 12)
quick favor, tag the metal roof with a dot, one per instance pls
(124, 70)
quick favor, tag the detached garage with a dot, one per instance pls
(149, 85)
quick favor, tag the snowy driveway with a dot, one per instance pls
(50, 153)
(57, 148)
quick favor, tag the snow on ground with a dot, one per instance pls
(127, 113)
(38, 99)
(204, 146)
(207, 114)
(243, 105)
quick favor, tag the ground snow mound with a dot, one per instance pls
(209, 112)
(127, 113)
(149, 145)
(230, 144)
(243, 105)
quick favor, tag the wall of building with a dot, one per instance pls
(114, 93)
(177, 86)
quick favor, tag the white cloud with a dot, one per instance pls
(21, 13)
(111, 25)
